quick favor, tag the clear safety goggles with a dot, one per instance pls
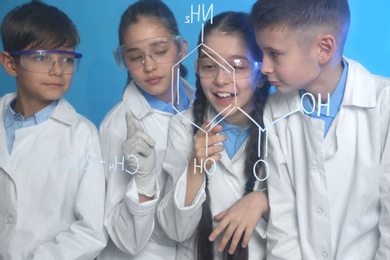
(160, 50)
(42, 61)
(207, 67)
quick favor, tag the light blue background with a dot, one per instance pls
(98, 85)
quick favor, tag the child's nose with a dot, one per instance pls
(56, 69)
(222, 76)
(266, 66)
(149, 63)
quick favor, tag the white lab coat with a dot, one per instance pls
(226, 186)
(329, 196)
(51, 188)
(134, 233)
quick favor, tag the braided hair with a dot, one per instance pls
(232, 23)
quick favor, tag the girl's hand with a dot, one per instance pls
(208, 146)
(140, 156)
(240, 219)
(207, 149)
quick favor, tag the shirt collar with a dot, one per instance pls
(158, 104)
(40, 117)
(336, 98)
(230, 127)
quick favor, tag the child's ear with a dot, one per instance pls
(8, 63)
(185, 49)
(327, 47)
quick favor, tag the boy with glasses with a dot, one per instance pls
(51, 180)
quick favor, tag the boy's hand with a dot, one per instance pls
(140, 156)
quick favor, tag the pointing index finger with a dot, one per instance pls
(132, 125)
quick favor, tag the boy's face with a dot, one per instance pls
(37, 89)
(288, 62)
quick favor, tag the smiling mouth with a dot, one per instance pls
(224, 95)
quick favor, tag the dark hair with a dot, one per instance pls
(303, 15)
(36, 25)
(231, 23)
(152, 9)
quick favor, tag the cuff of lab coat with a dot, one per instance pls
(132, 201)
(180, 193)
(261, 228)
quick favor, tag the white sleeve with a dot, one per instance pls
(129, 223)
(262, 224)
(383, 251)
(179, 222)
(282, 232)
(85, 238)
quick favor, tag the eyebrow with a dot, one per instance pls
(131, 50)
(152, 44)
(158, 43)
(233, 57)
(269, 48)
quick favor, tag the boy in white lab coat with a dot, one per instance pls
(51, 180)
(329, 174)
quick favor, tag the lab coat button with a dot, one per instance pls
(324, 255)
(319, 211)
(9, 220)
(314, 168)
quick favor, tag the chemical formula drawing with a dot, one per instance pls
(195, 15)
(201, 14)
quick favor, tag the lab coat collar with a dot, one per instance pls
(134, 100)
(138, 105)
(63, 112)
(4, 101)
(287, 103)
(359, 91)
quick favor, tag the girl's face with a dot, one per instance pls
(144, 45)
(219, 86)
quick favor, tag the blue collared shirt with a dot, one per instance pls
(235, 137)
(14, 121)
(334, 102)
(158, 104)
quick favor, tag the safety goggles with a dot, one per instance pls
(42, 61)
(207, 67)
(160, 50)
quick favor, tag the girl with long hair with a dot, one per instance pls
(134, 133)
(213, 150)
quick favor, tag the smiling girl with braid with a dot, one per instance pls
(207, 199)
